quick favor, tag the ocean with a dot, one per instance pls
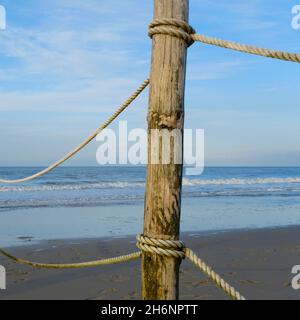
(83, 202)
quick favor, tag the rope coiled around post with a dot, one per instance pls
(167, 248)
(182, 30)
(177, 249)
(172, 27)
(89, 139)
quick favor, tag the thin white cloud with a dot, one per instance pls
(61, 52)
(257, 24)
(98, 96)
(72, 66)
(216, 70)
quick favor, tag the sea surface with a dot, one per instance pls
(82, 202)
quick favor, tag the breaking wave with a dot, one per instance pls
(127, 185)
(234, 181)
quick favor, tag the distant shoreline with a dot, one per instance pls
(141, 166)
(28, 242)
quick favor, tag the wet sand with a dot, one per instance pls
(257, 262)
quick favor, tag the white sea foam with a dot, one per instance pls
(124, 184)
(234, 181)
(70, 187)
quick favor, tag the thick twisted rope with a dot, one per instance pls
(101, 262)
(167, 248)
(220, 282)
(177, 249)
(275, 54)
(182, 30)
(172, 27)
(88, 140)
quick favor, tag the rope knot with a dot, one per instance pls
(172, 27)
(167, 248)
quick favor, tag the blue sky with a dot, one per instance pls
(66, 64)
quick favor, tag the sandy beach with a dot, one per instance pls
(257, 262)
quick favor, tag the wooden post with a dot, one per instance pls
(160, 275)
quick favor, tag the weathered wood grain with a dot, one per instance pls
(163, 191)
